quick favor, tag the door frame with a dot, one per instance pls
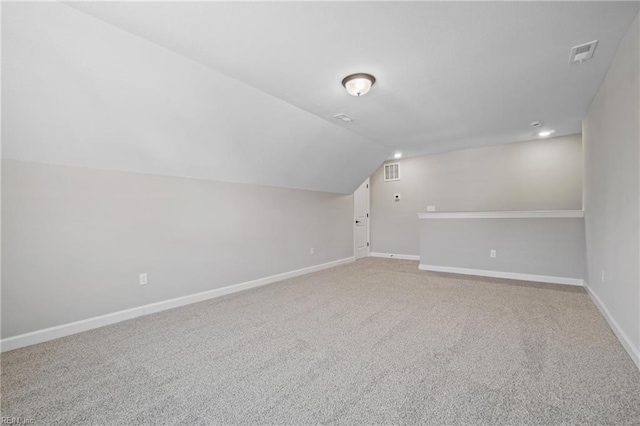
(353, 223)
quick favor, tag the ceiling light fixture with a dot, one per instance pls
(358, 84)
(397, 155)
(546, 133)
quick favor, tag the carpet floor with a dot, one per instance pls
(372, 342)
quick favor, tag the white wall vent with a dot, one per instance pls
(582, 52)
(391, 171)
(343, 117)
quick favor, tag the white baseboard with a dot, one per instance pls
(508, 275)
(56, 332)
(396, 256)
(633, 352)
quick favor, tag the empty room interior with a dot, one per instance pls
(358, 213)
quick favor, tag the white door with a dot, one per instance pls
(361, 220)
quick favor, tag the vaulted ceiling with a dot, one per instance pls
(246, 91)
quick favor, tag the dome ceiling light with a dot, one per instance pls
(358, 84)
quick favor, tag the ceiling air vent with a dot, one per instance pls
(343, 117)
(582, 52)
(391, 171)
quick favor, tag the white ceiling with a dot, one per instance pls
(246, 91)
(450, 74)
(77, 91)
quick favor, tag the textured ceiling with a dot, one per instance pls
(246, 91)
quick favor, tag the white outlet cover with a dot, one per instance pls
(143, 279)
(492, 253)
(311, 250)
(431, 208)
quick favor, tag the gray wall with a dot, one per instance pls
(612, 188)
(537, 175)
(75, 240)
(539, 246)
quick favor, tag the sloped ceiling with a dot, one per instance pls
(246, 91)
(80, 92)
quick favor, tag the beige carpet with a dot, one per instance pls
(374, 342)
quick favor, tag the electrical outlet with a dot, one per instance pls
(602, 277)
(431, 208)
(492, 253)
(311, 251)
(143, 279)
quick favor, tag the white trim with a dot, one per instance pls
(56, 332)
(633, 352)
(368, 192)
(396, 256)
(504, 214)
(501, 274)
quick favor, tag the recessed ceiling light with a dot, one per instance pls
(397, 155)
(546, 133)
(536, 123)
(358, 84)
